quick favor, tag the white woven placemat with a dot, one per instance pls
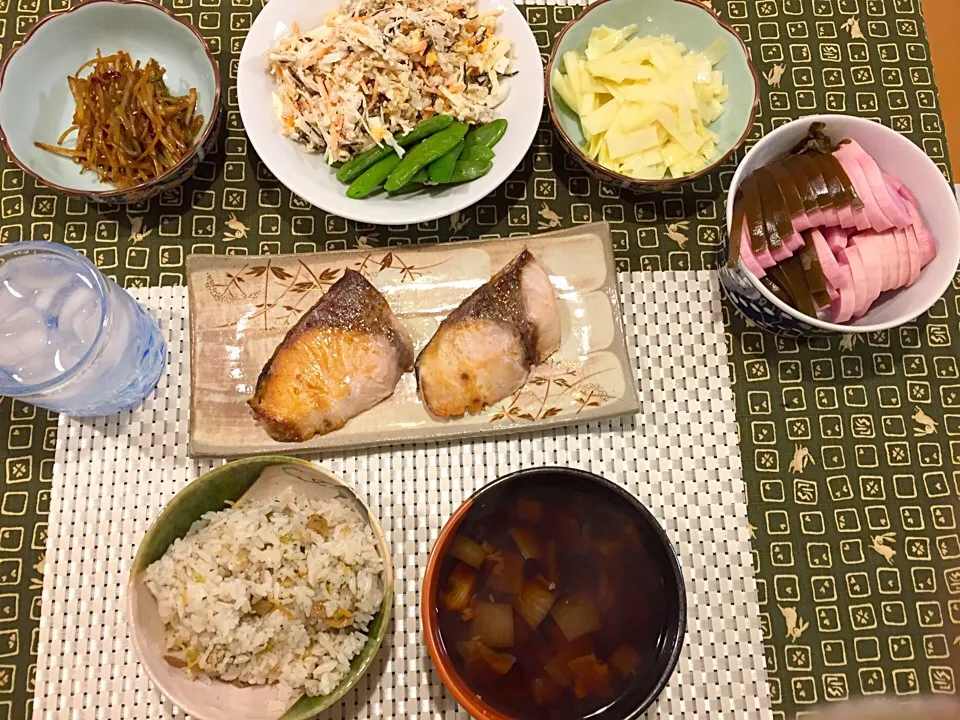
(679, 456)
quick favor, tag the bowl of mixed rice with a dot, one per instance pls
(262, 591)
(322, 81)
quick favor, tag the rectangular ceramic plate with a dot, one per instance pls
(241, 307)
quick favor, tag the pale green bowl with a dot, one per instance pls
(696, 27)
(213, 491)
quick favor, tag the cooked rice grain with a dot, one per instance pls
(280, 591)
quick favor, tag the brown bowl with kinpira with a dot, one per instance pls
(112, 101)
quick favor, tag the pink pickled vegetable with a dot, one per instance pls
(897, 184)
(794, 243)
(928, 246)
(902, 189)
(836, 238)
(879, 246)
(828, 263)
(801, 222)
(873, 217)
(847, 216)
(913, 245)
(895, 260)
(831, 217)
(851, 255)
(872, 267)
(750, 262)
(764, 258)
(891, 261)
(860, 253)
(903, 258)
(842, 309)
(780, 253)
(887, 198)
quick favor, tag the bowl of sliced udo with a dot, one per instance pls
(651, 94)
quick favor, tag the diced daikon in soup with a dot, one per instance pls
(550, 605)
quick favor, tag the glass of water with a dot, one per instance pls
(72, 340)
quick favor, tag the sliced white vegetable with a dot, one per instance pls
(604, 40)
(648, 158)
(645, 103)
(562, 85)
(601, 119)
(717, 50)
(620, 68)
(623, 145)
(635, 116)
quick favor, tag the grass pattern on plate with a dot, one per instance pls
(241, 307)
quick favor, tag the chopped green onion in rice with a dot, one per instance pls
(279, 591)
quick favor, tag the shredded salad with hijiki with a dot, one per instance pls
(376, 68)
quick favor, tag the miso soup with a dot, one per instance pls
(552, 604)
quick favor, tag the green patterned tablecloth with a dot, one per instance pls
(851, 448)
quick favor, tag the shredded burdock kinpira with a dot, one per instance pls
(129, 127)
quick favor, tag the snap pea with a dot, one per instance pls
(373, 177)
(477, 152)
(420, 180)
(423, 154)
(466, 170)
(487, 135)
(355, 167)
(441, 169)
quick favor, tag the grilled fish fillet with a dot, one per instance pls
(345, 355)
(484, 350)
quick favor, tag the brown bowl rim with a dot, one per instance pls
(662, 183)
(466, 697)
(198, 143)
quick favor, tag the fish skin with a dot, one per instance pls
(484, 350)
(346, 354)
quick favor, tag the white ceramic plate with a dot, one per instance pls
(309, 176)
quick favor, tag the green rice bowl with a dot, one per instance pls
(279, 591)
